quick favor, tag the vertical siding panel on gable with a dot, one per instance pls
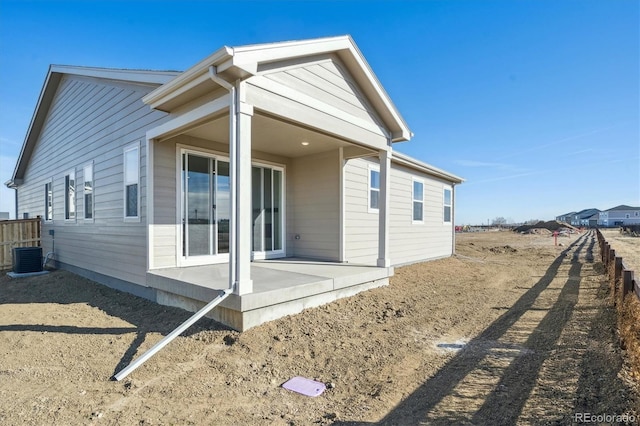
(92, 120)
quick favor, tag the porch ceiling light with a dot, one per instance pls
(305, 143)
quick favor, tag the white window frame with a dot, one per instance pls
(182, 260)
(445, 205)
(67, 201)
(84, 193)
(47, 217)
(415, 180)
(126, 182)
(370, 188)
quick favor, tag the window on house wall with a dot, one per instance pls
(374, 189)
(418, 201)
(131, 181)
(447, 205)
(88, 191)
(48, 201)
(70, 196)
(636, 214)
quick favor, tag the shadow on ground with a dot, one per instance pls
(61, 287)
(503, 403)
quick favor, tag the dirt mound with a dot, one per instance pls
(537, 231)
(551, 225)
(502, 250)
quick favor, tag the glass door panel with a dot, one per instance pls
(198, 205)
(257, 209)
(222, 206)
(277, 210)
(268, 210)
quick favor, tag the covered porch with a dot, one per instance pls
(258, 138)
(280, 287)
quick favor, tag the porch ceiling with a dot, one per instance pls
(272, 136)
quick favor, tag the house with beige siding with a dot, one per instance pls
(270, 170)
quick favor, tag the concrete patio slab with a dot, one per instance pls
(281, 287)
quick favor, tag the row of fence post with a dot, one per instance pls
(616, 271)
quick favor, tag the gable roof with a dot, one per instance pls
(567, 214)
(586, 213)
(622, 207)
(237, 63)
(49, 89)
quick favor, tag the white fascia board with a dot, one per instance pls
(272, 52)
(424, 167)
(134, 76)
(189, 119)
(402, 133)
(167, 90)
(46, 89)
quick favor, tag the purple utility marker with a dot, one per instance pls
(304, 386)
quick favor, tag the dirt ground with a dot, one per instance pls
(626, 246)
(537, 332)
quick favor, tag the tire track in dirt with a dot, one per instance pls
(493, 378)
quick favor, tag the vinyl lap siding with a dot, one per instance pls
(166, 226)
(361, 226)
(412, 242)
(315, 206)
(409, 242)
(92, 120)
(328, 82)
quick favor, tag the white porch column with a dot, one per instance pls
(383, 208)
(242, 174)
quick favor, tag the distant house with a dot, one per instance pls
(270, 169)
(582, 217)
(566, 218)
(592, 221)
(619, 216)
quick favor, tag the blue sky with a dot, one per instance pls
(535, 103)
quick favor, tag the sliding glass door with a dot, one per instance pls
(206, 209)
(267, 185)
(205, 200)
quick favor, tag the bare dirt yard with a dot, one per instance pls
(626, 246)
(512, 330)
